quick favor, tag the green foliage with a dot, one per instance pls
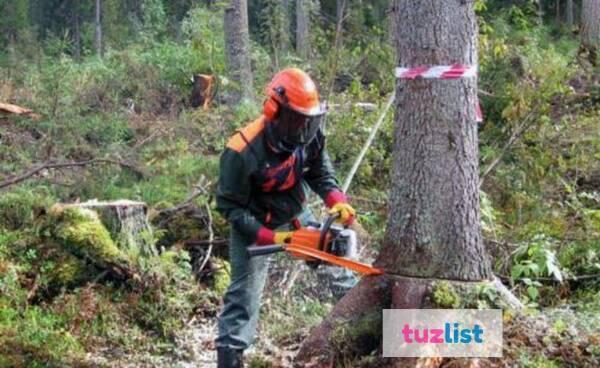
(488, 215)
(154, 20)
(483, 296)
(259, 361)
(536, 258)
(18, 207)
(14, 19)
(203, 30)
(30, 335)
(443, 295)
(355, 338)
(170, 297)
(286, 318)
(222, 276)
(527, 361)
(275, 28)
(580, 258)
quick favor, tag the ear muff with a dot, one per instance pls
(270, 108)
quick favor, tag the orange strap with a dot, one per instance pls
(359, 267)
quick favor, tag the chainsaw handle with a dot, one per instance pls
(325, 229)
(263, 250)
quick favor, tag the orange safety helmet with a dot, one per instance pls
(294, 108)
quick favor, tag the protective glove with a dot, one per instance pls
(281, 237)
(346, 212)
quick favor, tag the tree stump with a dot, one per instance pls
(202, 92)
(111, 235)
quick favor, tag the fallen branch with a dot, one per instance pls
(52, 166)
(150, 137)
(18, 110)
(211, 234)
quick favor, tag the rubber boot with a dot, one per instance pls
(229, 358)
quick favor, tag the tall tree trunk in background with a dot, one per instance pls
(569, 12)
(339, 10)
(302, 34)
(590, 28)
(434, 222)
(285, 27)
(540, 12)
(237, 49)
(433, 230)
(98, 22)
(558, 11)
(76, 30)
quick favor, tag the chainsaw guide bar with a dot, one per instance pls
(356, 266)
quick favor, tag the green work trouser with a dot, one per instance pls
(241, 303)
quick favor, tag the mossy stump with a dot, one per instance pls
(110, 235)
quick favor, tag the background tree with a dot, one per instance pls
(302, 26)
(76, 26)
(274, 28)
(590, 28)
(98, 27)
(14, 19)
(237, 49)
(569, 13)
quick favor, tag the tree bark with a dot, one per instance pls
(285, 38)
(569, 12)
(302, 34)
(339, 10)
(237, 45)
(590, 28)
(76, 30)
(434, 223)
(98, 22)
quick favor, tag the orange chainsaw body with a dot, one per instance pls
(305, 237)
(305, 245)
(313, 245)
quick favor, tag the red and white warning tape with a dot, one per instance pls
(442, 72)
(437, 72)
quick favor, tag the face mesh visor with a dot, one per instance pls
(296, 128)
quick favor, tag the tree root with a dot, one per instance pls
(352, 332)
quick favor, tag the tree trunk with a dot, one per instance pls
(540, 12)
(76, 30)
(569, 12)
(433, 231)
(302, 35)
(434, 222)
(558, 11)
(285, 27)
(98, 22)
(237, 45)
(590, 28)
(339, 10)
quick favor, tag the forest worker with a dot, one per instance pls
(266, 172)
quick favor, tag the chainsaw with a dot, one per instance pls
(318, 243)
